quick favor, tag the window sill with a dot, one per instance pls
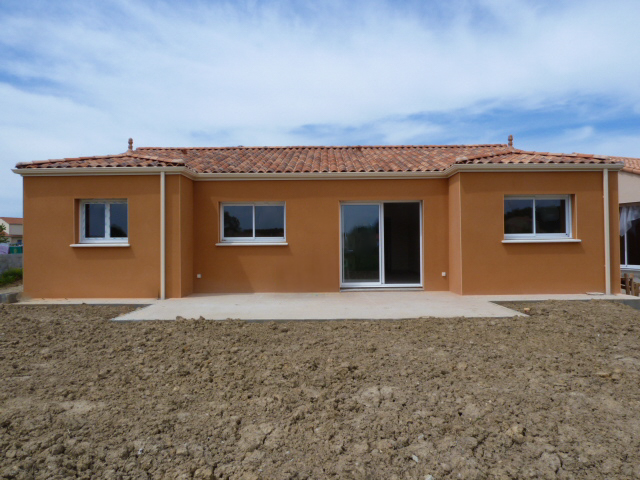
(542, 240)
(75, 245)
(252, 244)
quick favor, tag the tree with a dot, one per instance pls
(4, 238)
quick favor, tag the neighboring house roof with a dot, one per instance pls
(12, 220)
(351, 159)
(631, 165)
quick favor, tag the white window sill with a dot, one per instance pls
(542, 240)
(252, 244)
(75, 245)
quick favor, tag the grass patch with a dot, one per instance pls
(10, 276)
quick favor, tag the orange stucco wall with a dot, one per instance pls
(455, 247)
(186, 229)
(311, 260)
(462, 235)
(179, 236)
(54, 269)
(173, 236)
(492, 267)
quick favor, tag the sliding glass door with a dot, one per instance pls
(381, 244)
(361, 243)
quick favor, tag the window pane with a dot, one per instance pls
(623, 253)
(94, 220)
(269, 220)
(238, 221)
(518, 216)
(551, 216)
(118, 220)
(361, 243)
(633, 243)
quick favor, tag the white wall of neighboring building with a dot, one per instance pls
(12, 230)
(628, 187)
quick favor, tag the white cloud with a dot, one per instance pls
(581, 134)
(250, 73)
(596, 142)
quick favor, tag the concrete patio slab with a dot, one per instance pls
(542, 297)
(355, 305)
(320, 306)
(87, 301)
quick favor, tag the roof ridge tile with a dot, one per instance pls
(325, 147)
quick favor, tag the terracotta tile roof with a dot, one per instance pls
(631, 165)
(410, 158)
(127, 159)
(522, 156)
(418, 158)
(12, 220)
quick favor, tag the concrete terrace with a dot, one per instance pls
(370, 305)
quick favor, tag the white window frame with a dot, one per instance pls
(107, 221)
(382, 273)
(627, 266)
(541, 236)
(253, 239)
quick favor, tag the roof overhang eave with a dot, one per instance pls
(539, 167)
(452, 170)
(409, 175)
(91, 171)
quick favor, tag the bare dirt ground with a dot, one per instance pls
(553, 395)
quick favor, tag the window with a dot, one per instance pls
(537, 217)
(630, 236)
(253, 222)
(104, 221)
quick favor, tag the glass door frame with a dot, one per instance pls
(381, 260)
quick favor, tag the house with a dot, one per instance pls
(13, 229)
(629, 188)
(471, 219)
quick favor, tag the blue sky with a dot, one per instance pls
(81, 77)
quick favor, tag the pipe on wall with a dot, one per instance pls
(163, 244)
(607, 232)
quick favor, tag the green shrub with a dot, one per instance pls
(10, 276)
